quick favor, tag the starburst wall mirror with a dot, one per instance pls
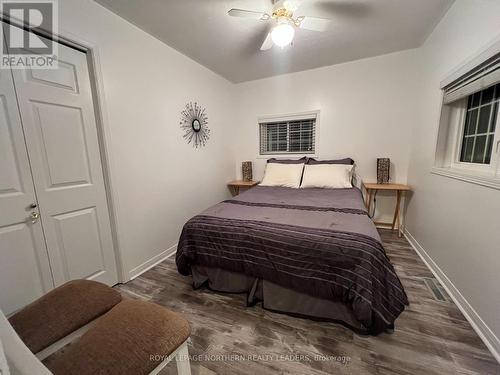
(194, 122)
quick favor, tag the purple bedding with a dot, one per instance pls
(315, 241)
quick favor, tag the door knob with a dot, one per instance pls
(34, 217)
(33, 205)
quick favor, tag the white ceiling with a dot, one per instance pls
(202, 30)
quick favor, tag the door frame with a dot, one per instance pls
(91, 50)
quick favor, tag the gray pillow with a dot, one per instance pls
(302, 160)
(339, 161)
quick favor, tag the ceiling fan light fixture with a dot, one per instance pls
(283, 34)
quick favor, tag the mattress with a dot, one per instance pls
(317, 242)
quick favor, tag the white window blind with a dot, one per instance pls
(288, 136)
(481, 77)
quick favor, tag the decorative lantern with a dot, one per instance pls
(246, 169)
(383, 168)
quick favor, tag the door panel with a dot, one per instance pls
(24, 267)
(61, 136)
(80, 244)
(20, 276)
(10, 183)
(64, 77)
(62, 141)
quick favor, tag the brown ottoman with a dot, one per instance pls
(134, 337)
(62, 311)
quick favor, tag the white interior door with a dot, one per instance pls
(24, 267)
(59, 122)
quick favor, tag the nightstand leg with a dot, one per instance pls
(401, 226)
(369, 203)
(396, 211)
(398, 225)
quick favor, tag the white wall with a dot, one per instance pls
(367, 111)
(158, 180)
(369, 108)
(456, 223)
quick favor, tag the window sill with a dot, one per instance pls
(471, 177)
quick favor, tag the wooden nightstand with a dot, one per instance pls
(234, 186)
(400, 189)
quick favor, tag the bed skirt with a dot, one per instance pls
(275, 297)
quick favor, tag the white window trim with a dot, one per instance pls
(289, 117)
(484, 175)
(480, 174)
(467, 176)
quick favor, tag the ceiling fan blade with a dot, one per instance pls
(314, 23)
(268, 43)
(292, 5)
(248, 14)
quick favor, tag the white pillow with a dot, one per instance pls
(333, 176)
(286, 175)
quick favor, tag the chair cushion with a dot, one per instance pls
(133, 338)
(62, 311)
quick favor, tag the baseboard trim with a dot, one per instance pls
(485, 333)
(147, 265)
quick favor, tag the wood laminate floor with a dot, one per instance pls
(431, 337)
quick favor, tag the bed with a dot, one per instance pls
(307, 252)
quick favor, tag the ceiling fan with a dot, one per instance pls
(284, 24)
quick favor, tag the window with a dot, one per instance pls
(291, 135)
(468, 145)
(480, 126)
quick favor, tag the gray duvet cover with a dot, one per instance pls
(315, 241)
